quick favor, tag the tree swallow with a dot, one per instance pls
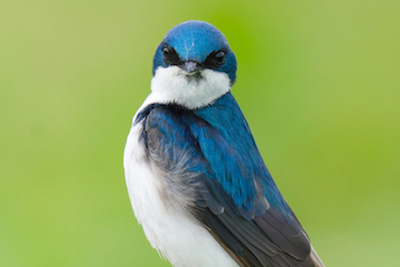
(196, 180)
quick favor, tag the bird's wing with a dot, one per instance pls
(234, 194)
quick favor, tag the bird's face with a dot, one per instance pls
(193, 63)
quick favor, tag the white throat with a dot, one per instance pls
(174, 85)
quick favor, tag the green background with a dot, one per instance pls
(317, 80)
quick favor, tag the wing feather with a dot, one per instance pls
(234, 195)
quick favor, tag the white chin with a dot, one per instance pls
(174, 85)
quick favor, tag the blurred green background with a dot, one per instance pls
(318, 82)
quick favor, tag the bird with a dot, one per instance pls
(196, 180)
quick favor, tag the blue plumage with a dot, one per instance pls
(234, 156)
(205, 162)
(221, 138)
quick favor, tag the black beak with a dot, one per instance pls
(191, 66)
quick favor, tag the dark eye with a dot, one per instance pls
(215, 59)
(170, 56)
(220, 56)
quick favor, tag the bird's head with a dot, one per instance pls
(193, 65)
(194, 46)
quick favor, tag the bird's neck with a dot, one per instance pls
(174, 85)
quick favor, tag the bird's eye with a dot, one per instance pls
(219, 56)
(170, 56)
(215, 59)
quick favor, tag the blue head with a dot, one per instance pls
(194, 46)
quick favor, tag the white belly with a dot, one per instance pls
(169, 228)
